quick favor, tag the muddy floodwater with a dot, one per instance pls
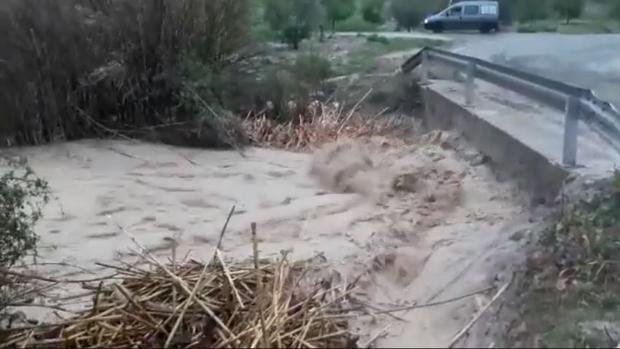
(417, 221)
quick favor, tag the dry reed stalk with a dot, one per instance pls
(259, 285)
(324, 124)
(188, 302)
(476, 317)
(257, 303)
(229, 278)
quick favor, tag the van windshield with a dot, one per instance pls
(452, 11)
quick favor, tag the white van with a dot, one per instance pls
(465, 15)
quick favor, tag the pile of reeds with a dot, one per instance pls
(216, 305)
(323, 124)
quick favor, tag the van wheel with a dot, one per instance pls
(438, 28)
(485, 28)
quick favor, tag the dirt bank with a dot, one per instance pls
(417, 221)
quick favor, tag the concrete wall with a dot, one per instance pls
(510, 158)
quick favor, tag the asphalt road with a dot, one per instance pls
(586, 60)
(590, 60)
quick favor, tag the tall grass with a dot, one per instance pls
(78, 68)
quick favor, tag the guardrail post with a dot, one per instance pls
(571, 129)
(469, 83)
(424, 67)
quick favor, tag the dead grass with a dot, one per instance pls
(80, 68)
(570, 289)
(323, 123)
(220, 304)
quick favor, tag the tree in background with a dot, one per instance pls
(277, 13)
(338, 10)
(409, 13)
(506, 11)
(372, 11)
(569, 9)
(614, 9)
(294, 20)
(531, 10)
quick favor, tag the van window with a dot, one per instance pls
(471, 10)
(455, 11)
(488, 10)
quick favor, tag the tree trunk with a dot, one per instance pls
(333, 25)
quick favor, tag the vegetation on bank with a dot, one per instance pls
(565, 16)
(364, 58)
(173, 71)
(357, 15)
(592, 26)
(22, 198)
(125, 67)
(74, 69)
(573, 284)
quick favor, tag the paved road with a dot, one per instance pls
(590, 61)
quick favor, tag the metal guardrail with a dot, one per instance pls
(577, 103)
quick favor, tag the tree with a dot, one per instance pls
(372, 11)
(507, 9)
(277, 13)
(614, 10)
(569, 9)
(531, 10)
(409, 13)
(294, 20)
(338, 10)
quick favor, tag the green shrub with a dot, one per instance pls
(260, 27)
(339, 10)
(410, 13)
(372, 11)
(531, 10)
(293, 34)
(356, 23)
(614, 9)
(595, 26)
(587, 240)
(294, 20)
(294, 85)
(507, 10)
(378, 38)
(312, 69)
(569, 9)
(22, 196)
(526, 28)
(537, 27)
